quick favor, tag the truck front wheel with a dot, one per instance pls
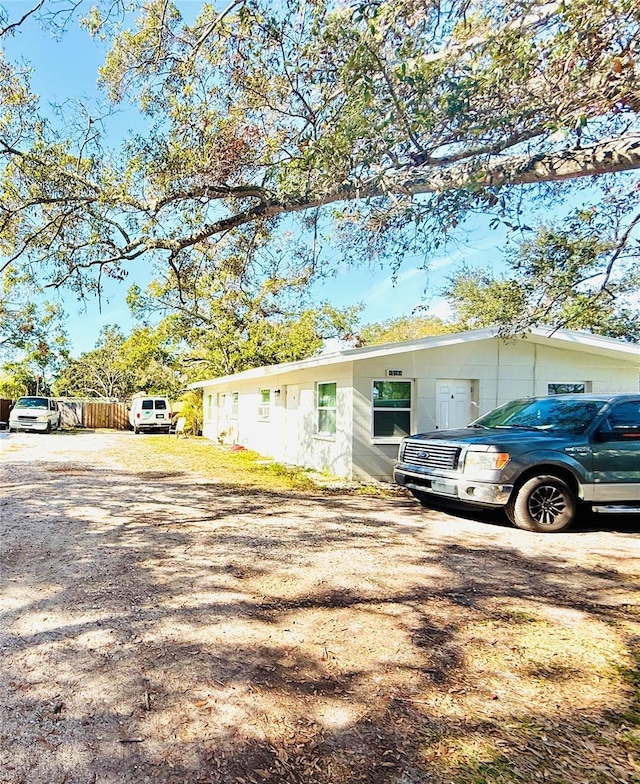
(545, 504)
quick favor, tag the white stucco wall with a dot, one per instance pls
(498, 372)
(290, 434)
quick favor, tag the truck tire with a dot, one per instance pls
(545, 504)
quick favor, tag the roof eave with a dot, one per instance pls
(563, 337)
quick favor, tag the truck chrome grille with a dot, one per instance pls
(428, 454)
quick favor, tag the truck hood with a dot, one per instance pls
(496, 437)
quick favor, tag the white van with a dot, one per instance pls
(34, 413)
(150, 412)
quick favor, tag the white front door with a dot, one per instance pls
(453, 403)
(292, 423)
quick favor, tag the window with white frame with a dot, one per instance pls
(234, 404)
(209, 409)
(326, 397)
(391, 409)
(569, 388)
(264, 408)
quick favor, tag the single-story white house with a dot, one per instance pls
(346, 412)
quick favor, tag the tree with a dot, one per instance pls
(402, 328)
(574, 276)
(243, 308)
(405, 117)
(119, 366)
(21, 378)
(99, 373)
(33, 341)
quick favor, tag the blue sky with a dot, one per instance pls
(68, 68)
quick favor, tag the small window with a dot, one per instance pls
(264, 409)
(161, 405)
(234, 404)
(327, 408)
(577, 388)
(147, 405)
(391, 409)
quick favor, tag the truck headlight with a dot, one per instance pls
(485, 461)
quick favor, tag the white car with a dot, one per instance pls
(34, 413)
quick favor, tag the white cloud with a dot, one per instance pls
(444, 261)
(441, 309)
(391, 287)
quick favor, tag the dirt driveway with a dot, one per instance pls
(158, 626)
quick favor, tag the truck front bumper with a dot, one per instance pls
(460, 488)
(28, 424)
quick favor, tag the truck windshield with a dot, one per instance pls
(573, 416)
(32, 402)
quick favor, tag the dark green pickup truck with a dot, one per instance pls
(539, 458)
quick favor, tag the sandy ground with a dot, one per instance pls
(157, 626)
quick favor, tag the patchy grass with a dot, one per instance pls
(242, 467)
(227, 466)
(631, 676)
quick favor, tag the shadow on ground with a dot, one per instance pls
(157, 628)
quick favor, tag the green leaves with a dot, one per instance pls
(402, 328)
(422, 114)
(33, 341)
(119, 366)
(580, 274)
(249, 313)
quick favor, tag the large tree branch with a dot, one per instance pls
(540, 14)
(491, 171)
(211, 193)
(611, 156)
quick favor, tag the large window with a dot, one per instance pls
(264, 408)
(391, 409)
(326, 405)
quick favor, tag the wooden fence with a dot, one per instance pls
(94, 414)
(91, 414)
(5, 406)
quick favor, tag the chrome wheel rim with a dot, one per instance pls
(547, 504)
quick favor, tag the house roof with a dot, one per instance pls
(560, 338)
